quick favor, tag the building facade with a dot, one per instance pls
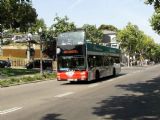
(109, 39)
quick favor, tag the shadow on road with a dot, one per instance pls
(52, 117)
(91, 82)
(142, 104)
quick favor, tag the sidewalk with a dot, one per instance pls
(127, 70)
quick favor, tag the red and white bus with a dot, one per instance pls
(79, 60)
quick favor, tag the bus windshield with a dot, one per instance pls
(67, 63)
(71, 38)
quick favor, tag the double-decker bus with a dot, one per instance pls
(79, 60)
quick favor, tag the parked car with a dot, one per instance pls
(4, 64)
(19, 38)
(46, 64)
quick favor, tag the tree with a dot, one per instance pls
(128, 38)
(39, 24)
(132, 41)
(155, 23)
(27, 17)
(62, 25)
(92, 33)
(108, 27)
(155, 3)
(157, 53)
(147, 47)
(50, 46)
(155, 19)
(17, 14)
(136, 42)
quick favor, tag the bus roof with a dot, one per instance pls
(102, 50)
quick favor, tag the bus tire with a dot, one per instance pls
(114, 72)
(97, 75)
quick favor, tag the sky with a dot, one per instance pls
(96, 12)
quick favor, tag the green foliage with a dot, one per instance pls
(49, 75)
(16, 14)
(39, 24)
(157, 53)
(92, 33)
(155, 21)
(135, 42)
(129, 38)
(27, 79)
(62, 25)
(8, 72)
(50, 46)
(154, 49)
(108, 27)
(155, 3)
(147, 47)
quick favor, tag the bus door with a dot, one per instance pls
(107, 65)
(95, 63)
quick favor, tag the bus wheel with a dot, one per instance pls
(97, 75)
(114, 72)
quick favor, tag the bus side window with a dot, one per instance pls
(117, 60)
(112, 61)
(106, 61)
(99, 60)
(91, 61)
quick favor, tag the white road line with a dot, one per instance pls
(93, 85)
(10, 110)
(65, 94)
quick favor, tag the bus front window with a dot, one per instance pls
(71, 38)
(71, 63)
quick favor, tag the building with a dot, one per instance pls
(19, 51)
(109, 39)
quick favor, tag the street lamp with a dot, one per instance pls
(41, 55)
(29, 38)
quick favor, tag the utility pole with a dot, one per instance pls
(29, 39)
(41, 54)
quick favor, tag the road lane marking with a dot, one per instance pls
(10, 110)
(93, 85)
(65, 94)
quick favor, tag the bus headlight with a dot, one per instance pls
(84, 75)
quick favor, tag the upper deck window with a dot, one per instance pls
(71, 38)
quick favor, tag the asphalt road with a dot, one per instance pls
(133, 96)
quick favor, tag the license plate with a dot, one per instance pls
(72, 79)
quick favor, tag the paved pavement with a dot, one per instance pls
(127, 70)
(134, 96)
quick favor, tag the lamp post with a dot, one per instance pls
(29, 38)
(41, 55)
